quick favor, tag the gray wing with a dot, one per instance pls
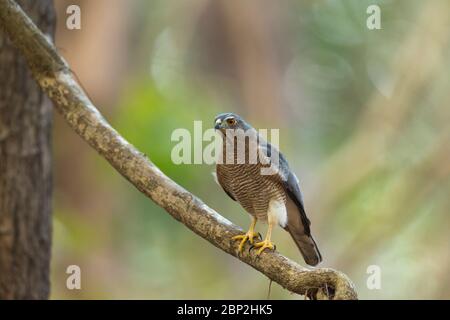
(298, 224)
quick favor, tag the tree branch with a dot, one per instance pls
(54, 76)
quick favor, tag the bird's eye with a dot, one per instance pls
(231, 121)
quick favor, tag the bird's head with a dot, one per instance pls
(230, 121)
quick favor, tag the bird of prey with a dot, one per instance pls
(273, 198)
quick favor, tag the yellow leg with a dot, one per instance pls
(266, 244)
(248, 236)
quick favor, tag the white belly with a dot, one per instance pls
(277, 213)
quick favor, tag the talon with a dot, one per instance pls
(239, 237)
(266, 244)
(249, 236)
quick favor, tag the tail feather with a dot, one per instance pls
(298, 226)
(307, 247)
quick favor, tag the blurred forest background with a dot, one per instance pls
(364, 121)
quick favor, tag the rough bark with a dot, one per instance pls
(55, 78)
(25, 170)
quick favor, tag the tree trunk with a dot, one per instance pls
(25, 169)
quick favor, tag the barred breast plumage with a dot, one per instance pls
(246, 184)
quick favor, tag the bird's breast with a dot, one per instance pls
(250, 188)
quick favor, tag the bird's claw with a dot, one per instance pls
(266, 244)
(249, 236)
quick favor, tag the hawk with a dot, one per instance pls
(272, 196)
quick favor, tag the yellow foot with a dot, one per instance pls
(266, 244)
(249, 236)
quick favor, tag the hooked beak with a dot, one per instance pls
(218, 125)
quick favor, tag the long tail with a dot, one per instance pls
(307, 246)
